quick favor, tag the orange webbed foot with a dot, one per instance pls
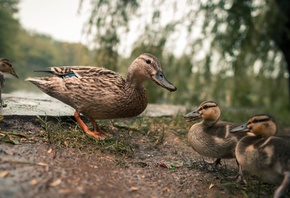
(97, 133)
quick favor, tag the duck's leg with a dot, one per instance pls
(282, 189)
(1, 101)
(97, 133)
(240, 176)
(217, 162)
(97, 129)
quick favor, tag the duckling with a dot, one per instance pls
(99, 93)
(264, 154)
(5, 67)
(211, 137)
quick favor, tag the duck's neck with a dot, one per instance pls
(135, 98)
(209, 123)
(135, 81)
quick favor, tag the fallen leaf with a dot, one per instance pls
(49, 151)
(4, 174)
(42, 164)
(34, 182)
(65, 143)
(55, 183)
(12, 137)
(64, 191)
(211, 186)
(9, 139)
(134, 188)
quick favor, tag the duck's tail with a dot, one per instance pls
(39, 82)
(33, 80)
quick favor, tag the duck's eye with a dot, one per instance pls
(148, 61)
(205, 107)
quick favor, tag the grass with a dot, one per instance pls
(69, 135)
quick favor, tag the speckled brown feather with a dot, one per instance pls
(97, 92)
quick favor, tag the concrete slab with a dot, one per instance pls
(29, 104)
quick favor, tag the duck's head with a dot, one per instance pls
(208, 111)
(6, 66)
(261, 125)
(147, 66)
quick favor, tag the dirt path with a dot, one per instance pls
(151, 160)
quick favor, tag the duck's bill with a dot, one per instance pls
(161, 80)
(243, 128)
(194, 115)
(12, 72)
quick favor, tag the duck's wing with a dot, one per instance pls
(80, 71)
(222, 128)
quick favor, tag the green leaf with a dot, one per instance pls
(11, 137)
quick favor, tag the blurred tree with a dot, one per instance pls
(230, 41)
(36, 51)
(282, 34)
(9, 27)
(107, 20)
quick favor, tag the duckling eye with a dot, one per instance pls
(148, 61)
(205, 107)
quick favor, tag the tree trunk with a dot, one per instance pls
(282, 38)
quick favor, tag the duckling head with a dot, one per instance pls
(260, 125)
(6, 66)
(209, 111)
(147, 66)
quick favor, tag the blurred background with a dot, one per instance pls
(234, 52)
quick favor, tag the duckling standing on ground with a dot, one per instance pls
(264, 154)
(99, 93)
(5, 67)
(211, 137)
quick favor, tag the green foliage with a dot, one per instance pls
(36, 51)
(9, 27)
(233, 59)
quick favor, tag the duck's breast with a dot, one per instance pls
(116, 102)
(211, 141)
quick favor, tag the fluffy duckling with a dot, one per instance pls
(99, 93)
(5, 67)
(211, 137)
(264, 154)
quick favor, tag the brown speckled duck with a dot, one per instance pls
(264, 154)
(99, 93)
(5, 67)
(211, 137)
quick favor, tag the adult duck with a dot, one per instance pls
(99, 93)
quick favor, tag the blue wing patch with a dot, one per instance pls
(70, 75)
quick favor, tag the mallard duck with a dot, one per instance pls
(263, 153)
(5, 67)
(211, 137)
(99, 93)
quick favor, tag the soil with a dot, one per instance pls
(151, 162)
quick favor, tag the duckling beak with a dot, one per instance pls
(12, 72)
(194, 115)
(160, 79)
(243, 128)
